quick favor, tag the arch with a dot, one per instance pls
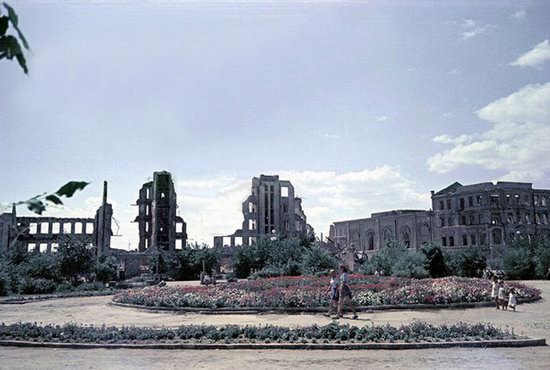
(370, 239)
(496, 236)
(406, 236)
(388, 234)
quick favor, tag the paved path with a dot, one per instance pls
(531, 319)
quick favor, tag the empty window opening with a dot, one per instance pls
(251, 207)
(451, 241)
(45, 228)
(31, 247)
(251, 224)
(226, 240)
(497, 236)
(464, 240)
(66, 228)
(441, 205)
(238, 240)
(55, 228)
(78, 228)
(473, 239)
(470, 201)
(461, 203)
(55, 247)
(284, 191)
(442, 221)
(543, 201)
(32, 228)
(179, 244)
(479, 200)
(444, 241)
(90, 228)
(448, 204)
(43, 247)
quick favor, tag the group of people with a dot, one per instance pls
(502, 296)
(340, 293)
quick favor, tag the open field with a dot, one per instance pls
(531, 319)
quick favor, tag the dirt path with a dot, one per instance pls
(531, 319)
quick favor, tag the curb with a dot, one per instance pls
(25, 300)
(296, 310)
(309, 346)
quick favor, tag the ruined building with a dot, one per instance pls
(160, 228)
(44, 233)
(484, 215)
(270, 208)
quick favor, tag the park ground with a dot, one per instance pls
(531, 319)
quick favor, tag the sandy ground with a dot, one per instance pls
(531, 319)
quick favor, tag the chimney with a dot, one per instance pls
(104, 192)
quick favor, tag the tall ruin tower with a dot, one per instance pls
(160, 228)
(102, 225)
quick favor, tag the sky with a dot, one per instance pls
(363, 106)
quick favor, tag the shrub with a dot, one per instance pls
(91, 286)
(105, 268)
(411, 264)
(435, 260)
(36, 286)
(316, 260)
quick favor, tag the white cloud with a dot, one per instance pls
(473, 29)
(539, 55)
(520, 14)
(454, 71)
(327, 197)
(516, 143)
(382, 118)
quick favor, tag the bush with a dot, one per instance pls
(412, 265)
(105, 269)
(435, 260)
(36, 286)
(317, 260)
(65, 288)
(91, 286)
(469, 262)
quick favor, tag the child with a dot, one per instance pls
(513, 299)
(333, 289)
(345, 294)
(502, 296)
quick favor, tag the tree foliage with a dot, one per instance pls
(435, 260)
(527, 258)
(10, 45)
(75, 257)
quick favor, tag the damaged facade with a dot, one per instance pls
(160, 228)
(480, 215)
(272, 207)
(45, 233)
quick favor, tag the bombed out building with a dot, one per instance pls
(271, 207)
(44, 234)
(160, 228)
(483, 215)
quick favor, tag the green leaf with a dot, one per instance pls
(36, 206)
(3, 25)
(22, 37)
(71, 187)
(22, 62)
(54, 199)
(12, 15)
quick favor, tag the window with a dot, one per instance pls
(479, 199)
(448, 204)
(78, 228)
(510, 218)
(494, 200)
(251, 224)
(444, 241)
(472, 220)
(388, 235)
(32, 228)
(483, 239)
(450, 221)
(284, 191)
(508, 199)
(285, 208)
(405, 236)
(31, 247)
(461, 203)
(464, 240)
(497, 236)
(543, 201)
(441, 205)
(473, 239)
(44, 228)
(370, 240)
(537, 218)
(536, 200)
(527, 220)
(442, 221)
(55, 247)
(544, 218)
(451, 241)
(463, 220)
(251, 207)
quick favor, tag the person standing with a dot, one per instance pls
(494, 290)
(345, 294)
(333, 289)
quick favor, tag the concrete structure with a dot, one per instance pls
(45, 233)
(484, 215)
(160, 228)
(271, 207)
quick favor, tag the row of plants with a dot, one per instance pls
(308, 291)
(331, 333)
(72, 268)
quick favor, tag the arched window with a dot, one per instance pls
(406, 236)
(370, 240)
(497, 236)
(388, 235)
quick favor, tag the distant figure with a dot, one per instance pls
(513, 299)
(333, 289)
(376, 273)
(345, 293)
(548, 274)
(502, 299)
(494, 290)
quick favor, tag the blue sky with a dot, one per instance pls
(364, 106)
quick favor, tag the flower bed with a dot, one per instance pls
(308, 291)
(331, 333)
